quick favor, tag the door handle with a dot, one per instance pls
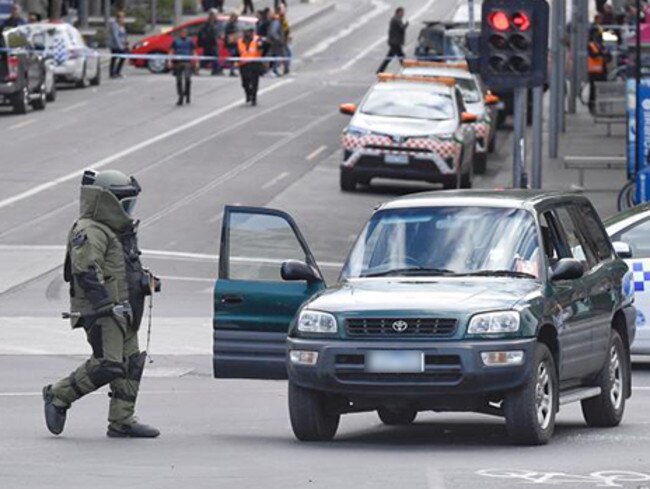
(232, 299)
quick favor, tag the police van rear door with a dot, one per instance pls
(253, 305)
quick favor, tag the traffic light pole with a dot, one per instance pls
(538, 93)
(519, 138)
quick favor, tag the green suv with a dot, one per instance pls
(506, 303)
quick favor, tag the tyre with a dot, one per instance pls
(530, 410)
(310, 420)
(82, 82)
(347, 181)
(97, 79)
(51, 95)
(157, 65)
(41, 101)
(20, 100)
(480, 163)
(607, 409)
(402, 417)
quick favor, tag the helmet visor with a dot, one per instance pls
(128, 204)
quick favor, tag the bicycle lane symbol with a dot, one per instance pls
(605, 478)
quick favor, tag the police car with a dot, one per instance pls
(410, 128)
(477, 99)
(630, 233)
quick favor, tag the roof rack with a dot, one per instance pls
(459, 65)
(440, 80)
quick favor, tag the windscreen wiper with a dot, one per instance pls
(409, 270)
(498, 273)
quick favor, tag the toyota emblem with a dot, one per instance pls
(400, 326)
(398, 139)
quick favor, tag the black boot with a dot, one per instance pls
(134, 430)
(187, 98)
(54, 416)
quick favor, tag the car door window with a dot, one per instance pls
(638, 237)
(574, 238)
(258, 245)
(593, 232)
(194, 29)
(554, 248)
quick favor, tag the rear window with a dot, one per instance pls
(15, 39)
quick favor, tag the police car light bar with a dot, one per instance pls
(458, 65)
(440, 80)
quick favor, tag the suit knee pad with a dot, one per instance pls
(135, 366)
(105, 373)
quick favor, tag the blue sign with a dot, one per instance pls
(630, 107)
(643, 132)
(5, 8)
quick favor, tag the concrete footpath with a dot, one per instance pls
(583, 138)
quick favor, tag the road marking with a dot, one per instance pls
(316, 152)
(21, 124)
(379, 7)
(72, 107)
(175, 278)
(603, 478)
(136, 147)
(275, 180)
(374, 45)
(274, 133)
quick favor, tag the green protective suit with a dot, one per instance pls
(103, 268)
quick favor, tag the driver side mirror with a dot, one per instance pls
(297, 270)
(467, 117)
(567, 269)
(622, 249)
(348, 109)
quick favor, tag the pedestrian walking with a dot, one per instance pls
(108, 286)
(277, 42)
(119, 44)
(208, 39)
(396, 39)
(248, 7)
(15, 18)
(183, 46)
(231, 36)
(250, 66)
(596, 63)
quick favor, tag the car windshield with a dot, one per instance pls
(467, 86)
(446, 241)
(412, 104)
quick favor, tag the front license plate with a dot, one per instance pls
(390, 362)
(396, 159)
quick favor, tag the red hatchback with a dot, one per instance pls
(161, 43)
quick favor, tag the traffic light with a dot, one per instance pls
(514, 43)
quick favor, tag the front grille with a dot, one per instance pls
(404, 149)
(394, 327)
(438, 369)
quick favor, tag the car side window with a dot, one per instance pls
(574, 238)
(638, 237)
(551, 238)
(459, 102)
(593, 233)
(194, 29)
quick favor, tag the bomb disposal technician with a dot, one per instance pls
(108, 286)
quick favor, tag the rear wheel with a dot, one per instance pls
(401, 417)
(157, 65)
(83, 81)
(51, 95)
(97, 79)
(20, 100)
(310, 419)
(530, 410)
(41, 101)
(348, 181)
(607, 409)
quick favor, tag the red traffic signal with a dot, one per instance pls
(499, 20)
(521, 21)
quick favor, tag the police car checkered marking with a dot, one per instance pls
(640, 277)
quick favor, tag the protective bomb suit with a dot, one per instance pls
(108, 286)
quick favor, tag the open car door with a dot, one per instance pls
(253, 305)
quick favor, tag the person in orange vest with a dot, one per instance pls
(597, 58)
(250, 66)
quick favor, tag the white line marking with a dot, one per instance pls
(316, 152)
(374, 45)
(21, 124)
(274, 133)
(174, 278)
(275, 180)
(137, 147)
(72, 107)
(379, 7)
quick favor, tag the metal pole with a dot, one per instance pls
(561, 4)
(178, 11)
(472, 21)
(553, 120)
(83, 14)
(575, 80)
(519, 137)
(637, 112)
(154, 14)
(538, 93)
(107, 14)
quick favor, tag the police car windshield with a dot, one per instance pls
(446, 241)
(467, 86)
(410, 103)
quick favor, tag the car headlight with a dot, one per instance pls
(317, 322)
(494, 323)
(356, 131)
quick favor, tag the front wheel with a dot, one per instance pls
(530, 410)
(607, 409)
(310, 419)
(402, 417)
(20, 100)
(157, 65)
